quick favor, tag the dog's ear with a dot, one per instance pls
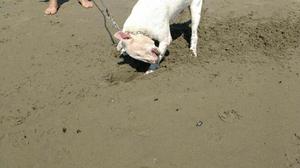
(122, 36)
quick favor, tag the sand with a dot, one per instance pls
(66, 103)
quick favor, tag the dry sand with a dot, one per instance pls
(66, 103)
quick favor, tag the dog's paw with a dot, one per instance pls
(152, 68)
(149, 72)
(194, 52)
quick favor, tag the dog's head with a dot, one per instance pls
(139, 47)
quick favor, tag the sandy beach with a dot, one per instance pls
(65, 102)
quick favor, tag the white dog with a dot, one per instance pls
(149, 21)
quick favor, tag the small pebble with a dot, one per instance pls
(199, 123)
(64, 130)
(78, 131)
(156, 99)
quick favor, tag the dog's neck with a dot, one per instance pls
(138, 32)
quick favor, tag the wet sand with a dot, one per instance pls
(65, 102)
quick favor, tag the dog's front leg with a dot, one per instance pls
(196, 7)
(162, 49)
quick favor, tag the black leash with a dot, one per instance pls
(106, 15)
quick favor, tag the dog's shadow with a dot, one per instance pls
(182, 29)
(177, 30)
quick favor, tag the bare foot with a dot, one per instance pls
(86, 3)
(52, 8)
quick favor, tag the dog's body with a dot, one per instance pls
(150, 19)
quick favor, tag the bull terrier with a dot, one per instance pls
(150, 20)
